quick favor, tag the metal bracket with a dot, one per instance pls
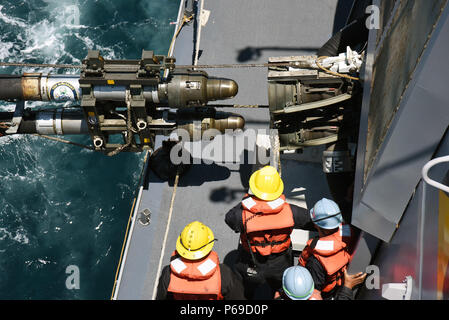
(315, 105)
(151, 65)
(133, 74)
(17, 119)
(398, 291)
(139, 113)
(337, 161)
(145, 217)
(88, 104)
(94, 64)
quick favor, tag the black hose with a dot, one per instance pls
(354, 35)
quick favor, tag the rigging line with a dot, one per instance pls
(64, 141)
(170, 212)
(40, 65)
(204, 66)
(5, 125)
(175, 186)
(185, 19)
(240, 65)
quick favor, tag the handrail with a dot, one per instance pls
(440, 186)
(426, 169)
(129, 229)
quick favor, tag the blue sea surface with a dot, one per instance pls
(61, 205)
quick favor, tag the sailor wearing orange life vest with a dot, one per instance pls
(195, 272)
(326, 256)
(265, 221)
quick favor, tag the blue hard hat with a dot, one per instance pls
(297, 283)
(326, 214)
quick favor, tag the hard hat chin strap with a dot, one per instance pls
(180, 240)
(334, 215)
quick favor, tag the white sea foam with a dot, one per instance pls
(5, 50)
(98, 227)
(45, 40)
(38, 263)
(44, 261)
(44, 36)
(11, 20)
(17, 236)
(106, 52)
(7, 140)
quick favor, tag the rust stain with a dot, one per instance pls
(31, 86)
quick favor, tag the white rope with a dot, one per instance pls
(170, 212)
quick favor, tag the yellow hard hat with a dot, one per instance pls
(195, 241)
(266, 184)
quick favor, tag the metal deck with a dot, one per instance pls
(247, 31)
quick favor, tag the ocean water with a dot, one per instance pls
(61, 205)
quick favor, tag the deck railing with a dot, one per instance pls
(440, 186)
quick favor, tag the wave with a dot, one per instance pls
(46, 40)
(11, 20)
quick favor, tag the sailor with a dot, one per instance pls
(195, 272)
(326, 256)
(265, 221)
(297, 284)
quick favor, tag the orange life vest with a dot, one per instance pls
(332, 253)
(268, 225)
(195, 280)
